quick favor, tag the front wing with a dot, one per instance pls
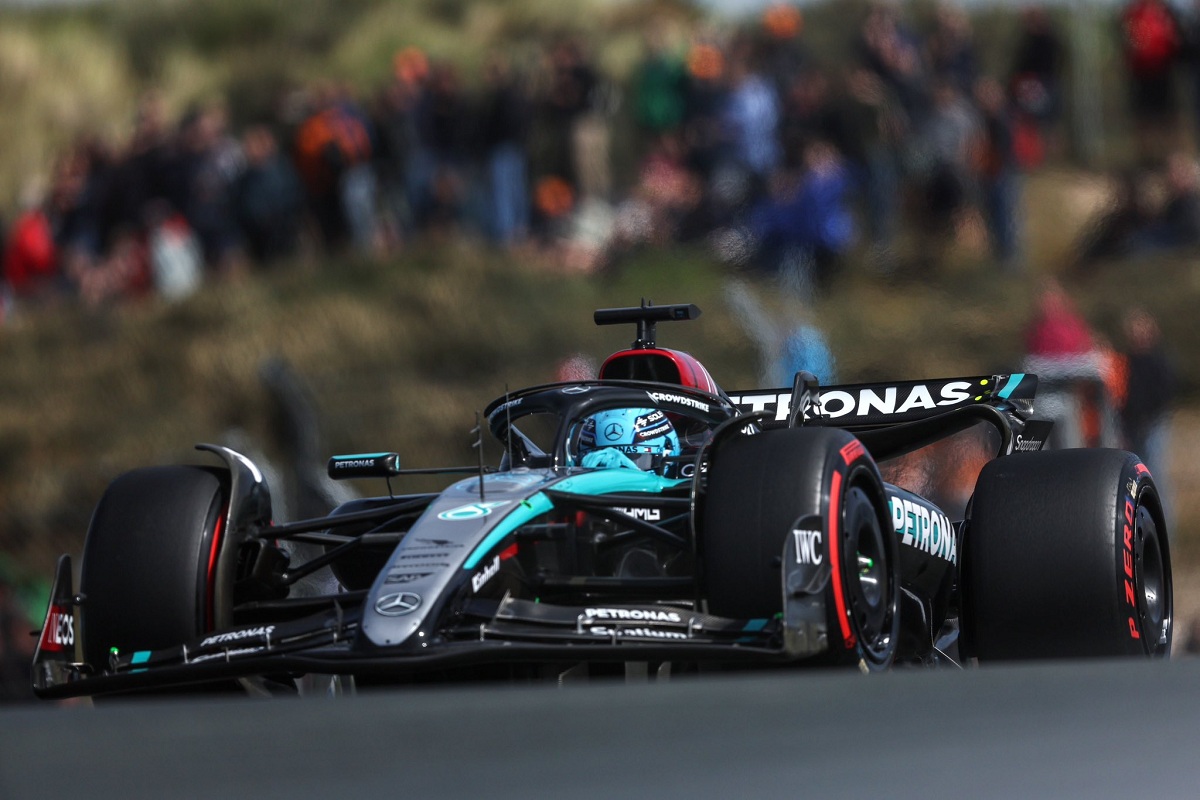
(483, 632)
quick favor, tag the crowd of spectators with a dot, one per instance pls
(738, 134)
(793, 161)
(740, 137)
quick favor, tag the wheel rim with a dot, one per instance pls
(1154, 591)
(868, 576)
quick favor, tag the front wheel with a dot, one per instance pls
(149, 560)
(1066, 555)
(765, 492)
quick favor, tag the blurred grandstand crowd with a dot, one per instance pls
(739, 136)
(738, 133)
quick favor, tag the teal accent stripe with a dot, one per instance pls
(605, 481)
(755, 625)
(1013, 382)
(602, 481)
(140, 657)
(525, 511)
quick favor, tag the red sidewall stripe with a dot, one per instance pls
(210, 603)
(835, 560)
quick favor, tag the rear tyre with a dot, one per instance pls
(759, 488)
(1066, 555)
(149, 560)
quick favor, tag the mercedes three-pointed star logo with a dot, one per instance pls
(613, 431)
(398, 604)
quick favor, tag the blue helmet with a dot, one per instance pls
(639, 433)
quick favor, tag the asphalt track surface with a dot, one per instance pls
(1085, 730)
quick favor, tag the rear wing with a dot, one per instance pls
(867, 405)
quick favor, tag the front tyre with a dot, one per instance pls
(1066, 555)
(760, 489)
(149, 560)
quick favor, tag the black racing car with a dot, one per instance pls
(643, 522)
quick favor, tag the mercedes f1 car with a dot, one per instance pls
(646, 521)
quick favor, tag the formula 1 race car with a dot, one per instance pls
(644, 522)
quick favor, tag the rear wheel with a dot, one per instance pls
(1066, 555)
(149, 560)
(760, 489)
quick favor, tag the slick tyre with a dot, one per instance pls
(759, 488)
(1066, 555)
(148, 560)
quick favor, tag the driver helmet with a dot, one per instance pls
(640, 434)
